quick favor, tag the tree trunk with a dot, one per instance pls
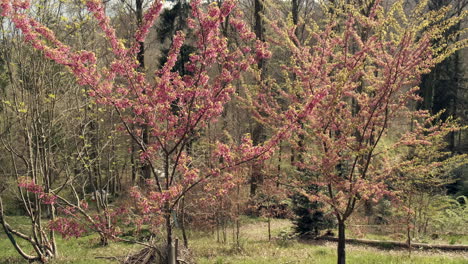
(269, 228)
(341, 243)
(237, 217)
(170, 252)
(258, 131)
(182, 224)
(217, 229)
(133, 163)
(408, 224)
(103, 240)
(259, 29)
(295, 11)
(145, 167)
(295, 16)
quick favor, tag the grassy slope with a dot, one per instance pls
(255, 249)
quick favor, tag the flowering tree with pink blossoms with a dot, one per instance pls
(173, 107)
(367, 62)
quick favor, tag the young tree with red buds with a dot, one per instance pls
(368, 65)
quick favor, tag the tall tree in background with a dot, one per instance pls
(145, 168)
(443, 87)
(258, 131)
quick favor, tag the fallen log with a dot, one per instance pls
(398, 244)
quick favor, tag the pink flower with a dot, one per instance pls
(29, 185)
(47, 198)
(84, 204)
(227, 6)
(262, 51)
(67, 227)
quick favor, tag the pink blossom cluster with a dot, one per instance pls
(148, 20)
(105, 223)
(30, 185)
(68, 210)
(262, 50)
(97, 8)
(84, 204)
(75, 222)
(47, 198)
(151, 201)
(67, 227)
(148, 205)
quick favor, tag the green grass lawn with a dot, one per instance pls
(254, 249)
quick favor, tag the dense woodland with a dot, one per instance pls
(156, 124)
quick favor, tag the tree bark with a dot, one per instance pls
(295, 16)
(169, 238)
(182, 224)
(145, 167)
(258, 131)
(259, 28)
(341, 243)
